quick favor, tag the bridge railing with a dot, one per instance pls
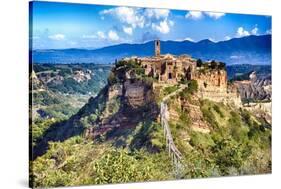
(167, 133)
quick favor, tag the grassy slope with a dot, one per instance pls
(237, 144)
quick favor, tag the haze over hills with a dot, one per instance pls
(246, 50)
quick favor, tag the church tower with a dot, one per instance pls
(157, 48)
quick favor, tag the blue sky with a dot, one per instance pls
(65, 25)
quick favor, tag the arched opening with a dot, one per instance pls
(170, 76)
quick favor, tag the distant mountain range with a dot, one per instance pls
(246, 50)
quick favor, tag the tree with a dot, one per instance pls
(112, 78)
(214, 64)
(199, 62)
(221, 65)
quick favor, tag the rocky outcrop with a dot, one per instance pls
(256, 88)
(213, 85)
(137, 93)
(81, 76)
(129, 100)
(196, 117)
(35, 82)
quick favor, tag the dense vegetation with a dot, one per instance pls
(238, 143)
(62, 77)
(55, 95)
(81, 161)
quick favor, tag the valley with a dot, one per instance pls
(145, 119)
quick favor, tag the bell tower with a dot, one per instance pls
(157, 48)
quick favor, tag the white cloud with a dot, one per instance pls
(268, 31)
(157, 13)
(126, 15)
(157, 19)
(255, 30)
(213, 40)
(163, 27)
(113, 36)
(101, 35)
(171, 23)
(189, 39)
(241, 32)
(227, 38)
(128, 30)
(57, 37)
(214, 15)
(195, 15)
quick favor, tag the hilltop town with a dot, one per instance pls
(211, 76)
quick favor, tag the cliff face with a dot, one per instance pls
(213, 85)
(256, 88)
(129, 100)
(137, 93)
(35, 82)
(118, 107)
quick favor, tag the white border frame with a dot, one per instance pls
(14, 91)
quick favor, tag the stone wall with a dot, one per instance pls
(212, 85)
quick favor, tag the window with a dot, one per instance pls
(170, 76)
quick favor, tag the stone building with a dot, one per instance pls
(170, 69)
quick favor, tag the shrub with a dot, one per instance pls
(112, 79)
(218, 110)
(193, 86)
(227, 153)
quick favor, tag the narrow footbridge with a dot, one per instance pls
(174, 153)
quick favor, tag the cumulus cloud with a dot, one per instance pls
(97, 35)
(214, 15)
(227, 38)
(189, 39)
(195, 15)
(157, 13)
(162, 27)
(57, 37)
(128, 30)
(101, 35)
(268, 31)
(126, 15)
(213, 40)
(113, 36)
(255, 30)
(133, 18)
(241, 32)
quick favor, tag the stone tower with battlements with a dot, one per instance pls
(157, 48)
